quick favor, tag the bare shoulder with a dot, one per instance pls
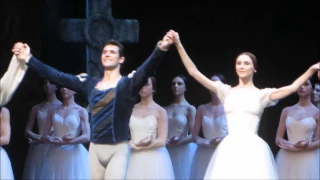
(160, 110)
(202, 106)
(191, 107)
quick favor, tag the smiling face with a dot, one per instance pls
(110, 57)
(245, 66)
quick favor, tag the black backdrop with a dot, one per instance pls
(284, 35)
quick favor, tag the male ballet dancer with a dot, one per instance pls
(11, 80)
(111, 100)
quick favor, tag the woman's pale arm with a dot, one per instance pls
(30, 123)
(5, 128)
(282, 127)
(292, 88)
(162, 132)
(11, 79)
(191, 67)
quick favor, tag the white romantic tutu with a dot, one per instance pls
(181, 158)
(298, 165)
(244, 156)
(150, 164)
(37, 154)
(5, 166)
(66, 162)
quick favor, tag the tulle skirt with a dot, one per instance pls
(242, 157)
(200, 162)
(150, 164)
(66, 162)
(5, 166)
(181, 158)
(298, 165)
(36, 156)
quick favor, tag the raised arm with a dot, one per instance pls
(5, 128)
(73, 82)
(191, 67)
(147, 69)
(292, 88)
(11, 79)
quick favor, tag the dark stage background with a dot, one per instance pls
(284, 35)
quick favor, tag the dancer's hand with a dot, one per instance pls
(176, 39)
(21, 51)
(216, 140)
(289, 147)
(145, 141)
(202, 142)
(67, 138)
(316, 68)
(35, 141)
(302, 144)
(134, 146)
(167, 40)
(174, 141)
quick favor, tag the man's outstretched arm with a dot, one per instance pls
(73, 82)
(147, 69)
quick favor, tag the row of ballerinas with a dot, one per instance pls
(161, 144)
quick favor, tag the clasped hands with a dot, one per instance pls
(295, 147)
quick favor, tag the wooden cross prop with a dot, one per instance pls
(98, 27)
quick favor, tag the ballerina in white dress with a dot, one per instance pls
(149, 157)
(5, 133)
(68, 158)
(242, 154)
(181, 120)
(211, 117)
(298, 157)
(37, 152)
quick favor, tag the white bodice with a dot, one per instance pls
(176, 125)
(243, 107)
(303, 129)
(141, 128)
(65, 126)
(213, 128)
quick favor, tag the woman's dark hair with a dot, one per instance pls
(252, 57)
(221, 77)
(154, 84)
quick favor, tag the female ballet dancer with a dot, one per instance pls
(149, 157)
(298, 157)
(37, 150)
(211, 117)
(5, 133)
(242, 154)
(181, 120)
(68, 159)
